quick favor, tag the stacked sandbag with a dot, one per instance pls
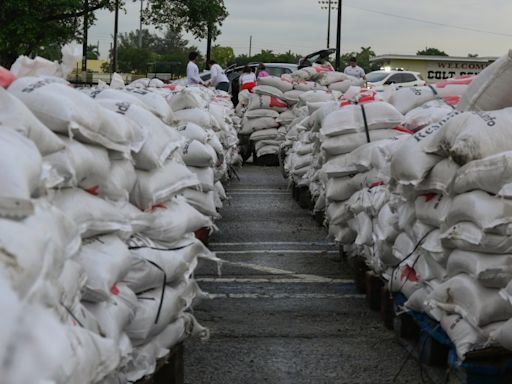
(260, 121)
(97, 240)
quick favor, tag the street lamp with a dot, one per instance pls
(329, 5)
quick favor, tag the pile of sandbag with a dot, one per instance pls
(438, 228)
(277, 104)
(102, 192)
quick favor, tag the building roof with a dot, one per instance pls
(433, 58)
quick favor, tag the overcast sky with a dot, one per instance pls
(301, 26)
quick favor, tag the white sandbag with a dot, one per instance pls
(123, 135)
(488, 174)
(195, 154)
(432, 208)
(186, 99)
(175, 219)
(106, 261)
(114, 94)
(88, 357)
(197, 116)
(292, 97)
(341, 86)
(257, 113)
(342, 144)
(161, 184)
(474, 135)
(68, 111)
(349, 119)
(41, 346)
(91, 214)
(71, 281)
(413, 172)
(407, 98)
(35, 247)
(161, 140)
(122, 179)
(267, 102)
(20, 166)
(338, 213)
(84, 165)
(203, 202)
(340, 189)
(193, 131)
(271, 150)
(15, 115)
(469, 237)
(116, 313)
(157, 309)
(385, 228)
(305, 86)
(220, 190)
(276, 82)
(268, 90)
(404, 280)
(440, 178)
(503, 335)
(155, 102)
(156, 265)
(464, 336)
(490, 90)
(286, 117)
(488, 212)
(147, 83)
(429, 113)
(315, 97)
(332, 77)
(264, 134)
(491, 271)
(478, 305)
(206, 177)
(251, 125)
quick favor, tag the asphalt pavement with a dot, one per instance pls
(285, 310)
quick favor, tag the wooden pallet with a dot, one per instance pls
(169, 369)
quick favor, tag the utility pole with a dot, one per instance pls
(338, 38)
(84, 44)
(250, 46)
(329, 6)
(116, 25)
(140, 25)
(209, 43)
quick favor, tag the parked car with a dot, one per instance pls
(378, 80)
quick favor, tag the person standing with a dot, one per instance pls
(193, 77)
(262, 71)
(354, 70)
(247, 79)
(218, 78)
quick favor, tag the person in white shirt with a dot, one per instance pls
(354, 70)
(247, 79)
(218, 78)
(193, 77)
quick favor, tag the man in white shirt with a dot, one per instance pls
(354, 70)
(218, 78)
(193, 77)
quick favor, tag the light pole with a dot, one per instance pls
(328, 4)
(338, 38)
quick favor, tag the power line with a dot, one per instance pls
(431, 22)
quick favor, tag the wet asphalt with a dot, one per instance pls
(285, 309)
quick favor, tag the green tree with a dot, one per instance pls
(429, 51)
(93, 52)
(363, 58)
(223, 55)
(28, 25)
(202, 18)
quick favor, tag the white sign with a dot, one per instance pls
(446, 70)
